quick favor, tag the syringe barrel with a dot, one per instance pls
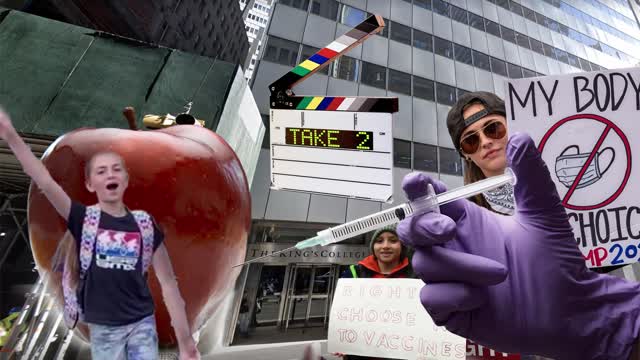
(363, 225)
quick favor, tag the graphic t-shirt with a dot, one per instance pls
(115, 291)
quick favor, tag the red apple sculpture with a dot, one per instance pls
(193, 184)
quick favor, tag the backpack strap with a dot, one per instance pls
(88, 239)
(146, 229)
(354, 272)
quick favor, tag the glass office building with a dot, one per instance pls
(429, 53)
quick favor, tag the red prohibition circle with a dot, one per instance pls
(627, 147)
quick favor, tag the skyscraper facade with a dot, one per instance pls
(429, 53)
(256, 21)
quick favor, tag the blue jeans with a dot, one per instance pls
(137, 341)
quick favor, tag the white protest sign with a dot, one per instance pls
(384, 318)
(583, 125)
(339, 153)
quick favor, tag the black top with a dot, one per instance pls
(115, 291)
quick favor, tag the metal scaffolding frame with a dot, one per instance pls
(9, 208)
(39, 325)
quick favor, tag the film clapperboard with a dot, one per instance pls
(332, 145)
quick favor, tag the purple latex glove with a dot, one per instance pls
(518, 284)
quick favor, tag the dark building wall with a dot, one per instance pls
(211, 28)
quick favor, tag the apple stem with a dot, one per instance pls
(130, 114)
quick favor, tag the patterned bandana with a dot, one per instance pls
(501, 199)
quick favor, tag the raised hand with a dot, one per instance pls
(6, 127)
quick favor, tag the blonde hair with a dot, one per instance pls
(88, 166)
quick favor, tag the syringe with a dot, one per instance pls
(421, 205)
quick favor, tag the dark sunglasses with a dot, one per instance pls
(494, 130)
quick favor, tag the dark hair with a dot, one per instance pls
(404, 249)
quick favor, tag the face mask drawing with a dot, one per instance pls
(570, 162)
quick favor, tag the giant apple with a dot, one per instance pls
(193, 184)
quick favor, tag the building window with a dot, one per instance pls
(514, 71)
(351, 16)
(492, 27)
(529, 14)
(400, 33)
(462, 54)
(537, 46)
(459, 15)
(508, 34)
(400, 82)
(562, 56)
(503, 3)
(445, 94)
(528, 73)
(325, 8)
(422, 40)
(298, 4)
(425, 157)
(281, 51)
(450, 162)
(573, 60)
(423, 88)
(476, 21)
(499, 67)
(374, 75)
(523, 40)
(516, 8)
(441, 7)
(345, 68)
(460, 92)
(425, 4)
(481, 60)
(307, 52)
(443, 47)
(385, 29)
(402, 153)
(584, 64)
(549, 50)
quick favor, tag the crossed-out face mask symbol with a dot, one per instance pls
(570, 162)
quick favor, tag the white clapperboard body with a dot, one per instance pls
(584, 125)
(334, 145)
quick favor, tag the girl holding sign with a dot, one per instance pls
(388, 259)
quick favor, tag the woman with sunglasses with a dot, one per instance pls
(478, 128)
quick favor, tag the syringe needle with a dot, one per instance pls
(265, 256)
